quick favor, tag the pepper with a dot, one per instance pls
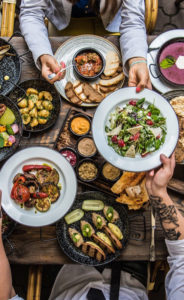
(28, 168)
(40, 195)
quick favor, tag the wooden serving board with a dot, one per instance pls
(66, 139)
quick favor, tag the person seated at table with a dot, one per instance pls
(84, 282)
(126, 17)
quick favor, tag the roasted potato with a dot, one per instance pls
(47, 105)
(24, 110)
(22, 103)
(26, 119)
(34, 122)
(43, 113)
(30, 104)
(33, 113)
(42, 120)
(45, 95)
(31, 91)
(33, 97)
(39, 104)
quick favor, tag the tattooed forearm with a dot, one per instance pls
(168, 217)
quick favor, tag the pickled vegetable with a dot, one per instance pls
(93, 205)
(74, 216)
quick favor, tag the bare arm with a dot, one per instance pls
(6, 288)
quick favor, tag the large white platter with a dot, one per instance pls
(38, 155)
(66, 52)
(161, 39)
(120, 98)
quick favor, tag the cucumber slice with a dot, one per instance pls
(74, 216)
(92, 205)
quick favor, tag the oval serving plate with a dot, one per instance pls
(8, 151)
(120, 98)
(38, 155)
(40, 85)
(66, 52)
(66, 243)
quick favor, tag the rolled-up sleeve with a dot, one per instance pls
(33, 28)
(174, 282)
(133, 40)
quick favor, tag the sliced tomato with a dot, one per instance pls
(21, 193)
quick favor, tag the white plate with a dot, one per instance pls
(38, 155)
(120, 98)
(66, 52)
(158, 83)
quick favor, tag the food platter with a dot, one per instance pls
(68, 49)
(75, 253)
(121, 98)
(38, 155)
(153, 50)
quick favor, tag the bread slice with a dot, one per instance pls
(112, 63)
(112, 81)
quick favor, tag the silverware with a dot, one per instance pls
(153, 227)
(51, 76)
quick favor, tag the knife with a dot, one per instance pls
(153, 226)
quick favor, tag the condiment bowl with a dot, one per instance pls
(77, 146)
(88, 50)
(80, 115)
(87, 160)
(107, 179)
(73, 151)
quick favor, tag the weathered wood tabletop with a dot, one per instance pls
(39, 245)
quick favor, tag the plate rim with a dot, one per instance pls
(75, 191)
(124, 168)
(86, 105)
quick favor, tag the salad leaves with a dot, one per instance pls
(136, 129)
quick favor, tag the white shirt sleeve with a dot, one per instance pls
(16, 298)
(174, 283)
(33, 28)
(133, 40)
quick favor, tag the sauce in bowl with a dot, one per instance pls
(88, 64)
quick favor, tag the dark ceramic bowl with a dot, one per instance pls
(83, 161)
(72, 150)
(87, 50)
(83, 137)
(109, 180)
(82, 116)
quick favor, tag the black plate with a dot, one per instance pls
(40, 85)
(65, 241)
(172, 94)
(10, 66)
(158, 58)
(7, 151)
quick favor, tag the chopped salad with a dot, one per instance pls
(136, 129)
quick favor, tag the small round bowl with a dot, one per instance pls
(107, 179)
(90, 161)
(84, 50)
(77, 144)
(81, 116)
(74, 152)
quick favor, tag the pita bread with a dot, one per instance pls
(112, 63)
(130, 152)
(178, 105)
(112, 81)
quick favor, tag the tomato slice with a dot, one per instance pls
(21, 193)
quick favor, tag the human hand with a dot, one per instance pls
(49, 66)
(139, 75)
(156, 182)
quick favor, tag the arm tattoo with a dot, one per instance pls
(168, 217)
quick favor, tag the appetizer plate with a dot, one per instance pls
(38, 155)
(8, 151)
(66, 52)
(154, 48)
(121, 98)
(65, 241)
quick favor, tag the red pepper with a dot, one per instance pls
(40, 195)
(21, 179)
(149, 122)
(29, 168)
(132, 102)
(136, 136)
(149, 113)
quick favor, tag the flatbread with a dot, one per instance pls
(178, 105)
(112, 63)
(112, 81)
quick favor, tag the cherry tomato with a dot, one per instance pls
(136, 136)
(132, 102)
(131, 138)
(121, 143)
(114, 139)
(149, 113)
(149, 122)
(21, 193)
(158, 137)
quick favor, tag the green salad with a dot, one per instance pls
(136, 129)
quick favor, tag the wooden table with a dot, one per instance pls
(39, 245)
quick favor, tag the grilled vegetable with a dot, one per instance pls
(39, 195)
(43, 205)
(115, 229)
(74, 216)
(52, 190)
(113, 238)
(28, 168)
(76, 237)
(94, 205)
(87, 229)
